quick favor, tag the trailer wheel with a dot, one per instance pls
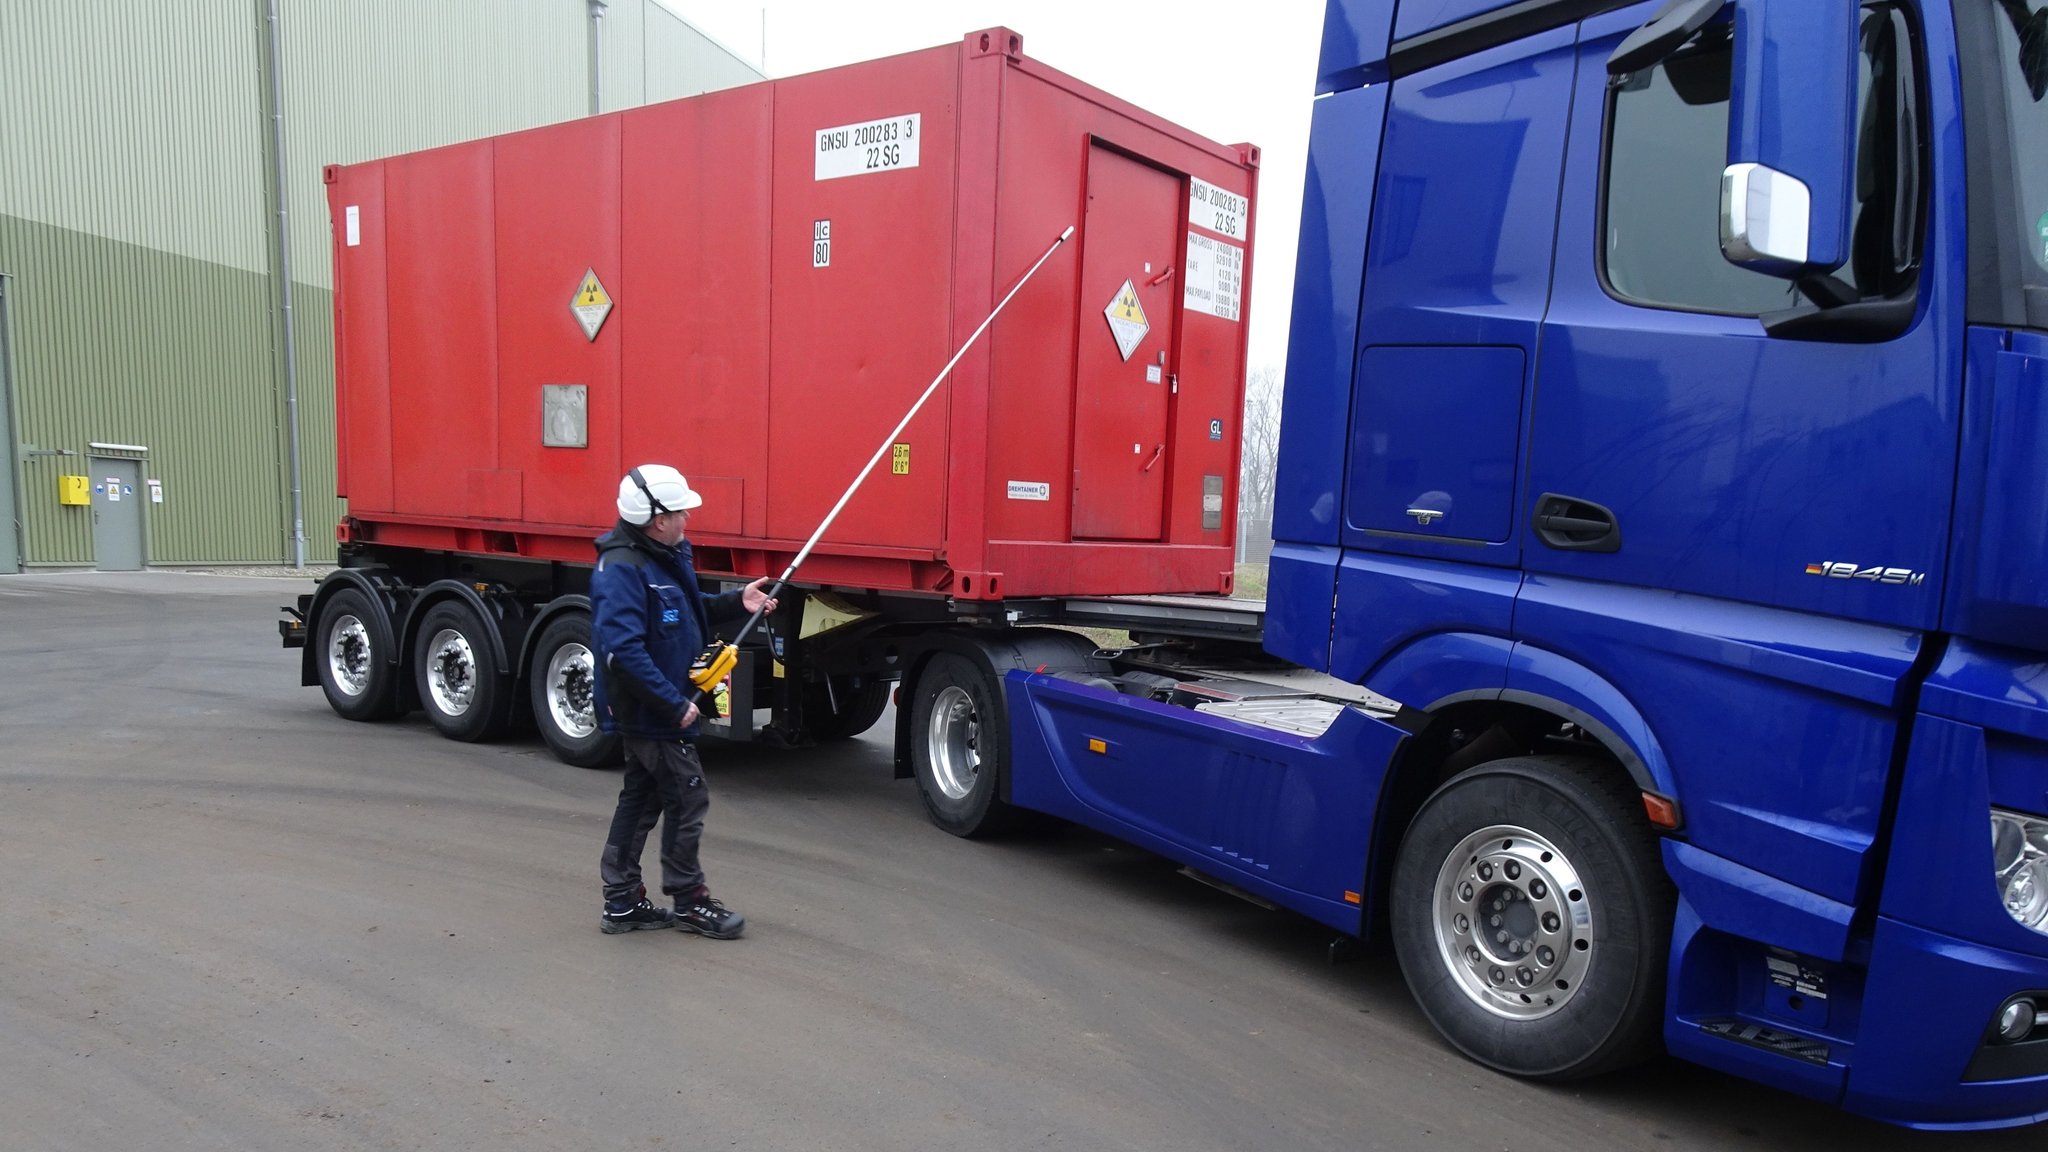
(463, 695)
(844, 709)
(1532, 918)
(359, 681)
(562, 680)
(959, 747)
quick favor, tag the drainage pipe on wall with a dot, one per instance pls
(284, 273)
(597, 8)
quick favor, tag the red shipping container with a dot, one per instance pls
(754, 285)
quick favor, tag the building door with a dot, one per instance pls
(10, 468)
(1129, 307)
(116, 514)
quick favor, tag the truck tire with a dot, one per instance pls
(858, 707)
(359, 680)
(1532, 917)
(959, 744)
(463, 694)
(561, 683)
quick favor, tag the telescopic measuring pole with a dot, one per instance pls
(805, 552)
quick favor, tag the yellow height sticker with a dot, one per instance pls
(899, 460)
(591, 304)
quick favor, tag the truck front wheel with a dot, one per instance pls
(357, 677)
(563, 677)
(1532, 917)
(461, 690)
(958, 747)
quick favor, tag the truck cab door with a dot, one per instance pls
(1687, 436)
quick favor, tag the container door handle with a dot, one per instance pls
(1162, 278)
(1156, 454)
(1573, 525)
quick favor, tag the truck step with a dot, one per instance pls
(1301, 715)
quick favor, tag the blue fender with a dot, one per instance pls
(1443, 668)
(1562, 685)
(1454, 667)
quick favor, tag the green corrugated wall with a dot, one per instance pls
(137, 217)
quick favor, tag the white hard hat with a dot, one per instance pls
(653, 488)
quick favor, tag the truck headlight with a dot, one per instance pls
(2019, 852)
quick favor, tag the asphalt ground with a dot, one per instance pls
(231, 920)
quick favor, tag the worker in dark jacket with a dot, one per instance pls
(649, 621)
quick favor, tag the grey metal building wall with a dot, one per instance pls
(138, 208)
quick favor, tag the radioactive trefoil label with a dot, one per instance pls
(1127, 319)
(591, 304)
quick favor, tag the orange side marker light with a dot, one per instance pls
(1662, 810)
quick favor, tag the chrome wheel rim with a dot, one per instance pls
(1515, 926)
(569, 684)
(348, 655)
(952, 742)
(451, 672)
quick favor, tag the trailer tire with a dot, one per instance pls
(859, 707)
(360, 681)
(959, 747)
(561, 681)
(460, 688)
(1532, 917)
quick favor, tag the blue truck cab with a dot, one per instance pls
(1663, 509)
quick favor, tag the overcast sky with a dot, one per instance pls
(1232, 72)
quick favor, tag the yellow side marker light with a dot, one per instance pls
(1352, 897)
(1095, 745)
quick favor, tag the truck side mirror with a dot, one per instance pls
(1788, 191)
(1766, 217)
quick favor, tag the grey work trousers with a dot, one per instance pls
(664, 779)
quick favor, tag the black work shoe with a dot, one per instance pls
(634, 917)
(707, 917)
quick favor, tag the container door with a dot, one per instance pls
(1123, 370)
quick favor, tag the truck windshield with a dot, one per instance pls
(2022, 64)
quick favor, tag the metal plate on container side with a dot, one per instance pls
(1127, 319)
(1217, 210)
(1215, 279)
(564, 416)
(868, 148)
(591, 304)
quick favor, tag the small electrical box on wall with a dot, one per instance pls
(74, 490)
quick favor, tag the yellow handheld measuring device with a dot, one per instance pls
(713, 664)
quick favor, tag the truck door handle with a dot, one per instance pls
(1573, 525)
(1156, 454)
(1156, 281)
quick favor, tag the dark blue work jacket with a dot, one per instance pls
(649, 621)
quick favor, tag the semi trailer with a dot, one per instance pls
(752, 285)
